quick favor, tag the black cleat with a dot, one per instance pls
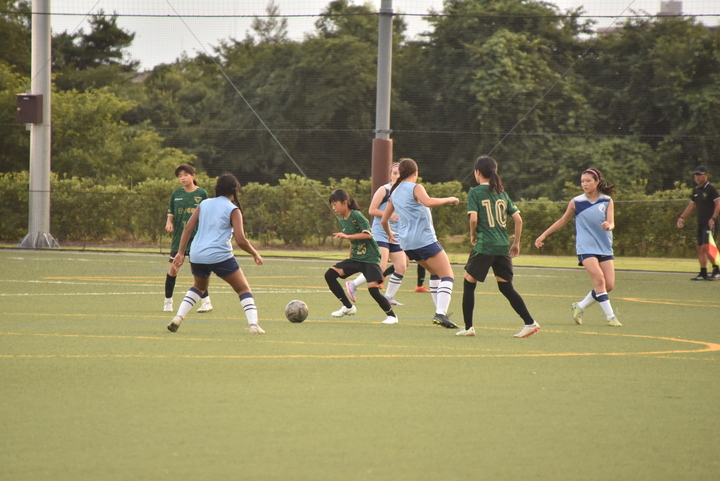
(444, 321)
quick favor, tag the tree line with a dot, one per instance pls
(532, 84)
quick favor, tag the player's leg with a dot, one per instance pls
(468, 305)
(399, 260)
(439, 265)
(420, 287)
(373, 273)
(597, 274)
(200, 285)
(170, 279)
(331, 277)
(240, 285)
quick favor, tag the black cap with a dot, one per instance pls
(701, 170)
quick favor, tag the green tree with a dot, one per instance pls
(14, 138)
(15, 34)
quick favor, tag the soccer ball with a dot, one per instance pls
(296, 311)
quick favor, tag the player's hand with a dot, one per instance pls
(539, 242)
(392, 238)
(258, 260)
(169, 226)
(179, 259)
(453, 200)
(394, 217)
(607, 226)
(473, 239)
(514, 250)
(340, 235)
(680, 223)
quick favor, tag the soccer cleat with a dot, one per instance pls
(466, 332)
(206, 305)
(444, 321)
(528, 330)
(390, 320)
(344, 311)
(700, 277)
(255, 329)
(393, 302)
(422, 289)
(714, 276)
(167, 307)
(350, 290)
(174, 324)
(577, 312)
(612, 321)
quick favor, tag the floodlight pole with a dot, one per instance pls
(40, 133)
(382, 148)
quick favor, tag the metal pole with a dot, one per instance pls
(382, 145)
(39, 205)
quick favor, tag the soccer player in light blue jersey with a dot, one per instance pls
(416, 235)
(594, 213)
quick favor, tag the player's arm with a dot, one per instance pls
(473, 220)
(422, 196)
(609, 223)
(713, 220)
(170, 223)
(515, 247)
(558, 224)
(358, 236)
(688, 210)
(239, 233)
(385, 221)
(376, 201)
(185, 237)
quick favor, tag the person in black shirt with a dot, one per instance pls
(705, 196)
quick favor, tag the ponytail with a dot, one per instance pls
(227, 184)
(406, 168)
(487, 166)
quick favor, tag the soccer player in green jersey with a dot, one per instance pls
(488, 210)
(364, 256)
(183, 203)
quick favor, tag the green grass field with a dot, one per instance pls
(93, 387)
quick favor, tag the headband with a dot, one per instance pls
(597, 174)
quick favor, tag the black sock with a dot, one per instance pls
(331, 277)
(389, 270)
(207, 293)
(468, 302)
(169, 286)
(381, 300)
(703, 272)
(516, 301)
(421, 275)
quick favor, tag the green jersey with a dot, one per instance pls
(182, 206)
(492, 211)
(363, 250)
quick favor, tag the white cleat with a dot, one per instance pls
(612, 321)
(390, 320)
(167, 307)
(350, 286)
(528, 330)
(255, 329)
(393, 302)
(466, 332)
(174, 324)
(344, 311)
(577, 312)
(206, 305)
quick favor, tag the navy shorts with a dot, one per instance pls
(390, 247)
(424, 253)
(479, 264)
(582, 257)
(221, 269)
(702, 234)
(372, 272)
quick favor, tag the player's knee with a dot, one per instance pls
(331, 275)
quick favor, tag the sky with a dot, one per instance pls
(164, 37)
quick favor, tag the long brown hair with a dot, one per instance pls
(406, 168)
(602, 185)
(186, 168)
(487, 166)
(227, 184)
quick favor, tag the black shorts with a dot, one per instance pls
(390, 247)
(221, 269)
(372, 272)
(702, 234)
(174, 253)
(479, 264)
(424, 253)
(600, 258)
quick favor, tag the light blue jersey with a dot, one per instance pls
(415, 226)
(212, 241)
(378, 232)
(590, 238)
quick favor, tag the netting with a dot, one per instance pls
(549, 88)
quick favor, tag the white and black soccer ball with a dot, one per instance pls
(296, 311)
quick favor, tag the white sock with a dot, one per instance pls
(587, 302)
(393, 285)
(444, 294)
(359, 280)
(434, 283)
(605, 305)
(191, 297)
(248, 303)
